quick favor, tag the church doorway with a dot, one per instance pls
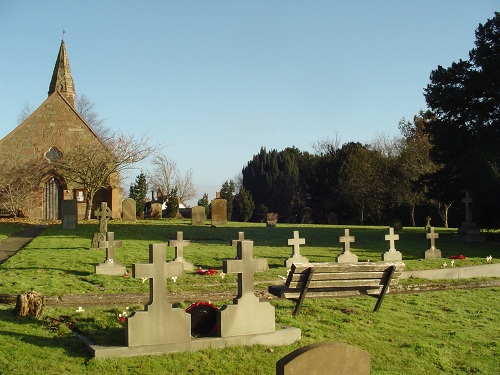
(52, 197)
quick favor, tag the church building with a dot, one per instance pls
(52, 130)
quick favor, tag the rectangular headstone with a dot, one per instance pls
(156, 211)
(69, 214)
(198, 216)
(129, 210)
(219, 212)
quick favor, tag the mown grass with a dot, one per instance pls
(449, 332)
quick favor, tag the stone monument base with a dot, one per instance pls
(347, 258)
(113, 269)
(290, 261)
(392, 256)
(186, 266)
(283, 336)
(432, 254)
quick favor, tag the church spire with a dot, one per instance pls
(62, 80)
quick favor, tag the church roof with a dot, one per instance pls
(62, 80)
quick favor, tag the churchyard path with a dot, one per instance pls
(18, 240)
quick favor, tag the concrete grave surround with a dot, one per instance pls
(69, 214)
(129, 210)
(347, 256)
(432, 252)
(219, 212)
(110, 265)
(325, 358)
(295, 243)
(392, 255)
(103, 214)
(179, 245)
(198, 215)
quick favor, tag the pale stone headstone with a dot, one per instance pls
(272, 219)
(432, 252)
(129, 210)
(159, 323)
(69, 214)
(307, 215)
(325, 358)
(247, 315)
(392, 255)
(198, 215)
(295, 243)
(156, 211)
(103, 214)
(347, 256)
(110, 265)
(219, 212)
(179, 245)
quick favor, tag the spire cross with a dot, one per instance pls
(296, 242)
(241, 237)
(467, 200)
(179, 244)
(245, 265)
(432, 236)
(157, 270)
(391, 237)
(110, 244)
(346, 239)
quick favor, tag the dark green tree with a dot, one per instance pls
(244, 205)
(138, 192)
(227, 193)
(465, 133)
(203, 201)
(172, 204)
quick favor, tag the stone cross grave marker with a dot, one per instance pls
(247, 315)
(467, 201)
(159, 323)
(432, 252)
(179, 245)
(103, 213)
(392, 255)
(241, 237)
(110, 266)
(347, 256)
(295, 243)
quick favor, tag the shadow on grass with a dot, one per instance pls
(63, 270)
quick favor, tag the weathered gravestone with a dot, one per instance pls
(295, 243)
(432, 252)
(347, 256)
(198, 215)
(392, 255)
(69, 214)
(179, 245)
(468, 231)
(307, 215)
(219, 212)
(156, 211)
(325, 358)
(110, 266)
(129, 210)
(104, 213)
(272, 219)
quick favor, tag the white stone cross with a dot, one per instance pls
(241, 237)
(431, 235)
(467, 200)
(391, 237)
(157, 271)
(295, 242)
(179, 244)
(110, 244)
(346, 239)
(245, 265)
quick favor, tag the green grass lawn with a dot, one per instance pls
(449, 332)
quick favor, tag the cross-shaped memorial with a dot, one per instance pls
(347, 256)
(247, 315)
(432, 252)
(179, 245)
(295, 243)
(392, 255)
(110, 265)
(241, 237)
(467, 200)
(159, 323)
(103, 214)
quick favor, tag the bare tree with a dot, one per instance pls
(166, 177)
(99, 167)
(86, 109)
(26, 111)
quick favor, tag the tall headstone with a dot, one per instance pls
(179, 245)
(69, 214)
(156, 211)
(103, 214)
(468, 232)
(347, 256)
(198, 215)
(392, 255)
(295, 243)
(219, 212)
(129, 210)
(247, 315)
(272, 219)
(159, 323)
(110, 266)
(432, 252)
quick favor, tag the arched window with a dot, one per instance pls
(53, 154)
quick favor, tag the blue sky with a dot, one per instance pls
(217, 80)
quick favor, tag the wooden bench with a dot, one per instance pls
(334, 280)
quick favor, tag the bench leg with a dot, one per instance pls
(384, 289)
(303, 292)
